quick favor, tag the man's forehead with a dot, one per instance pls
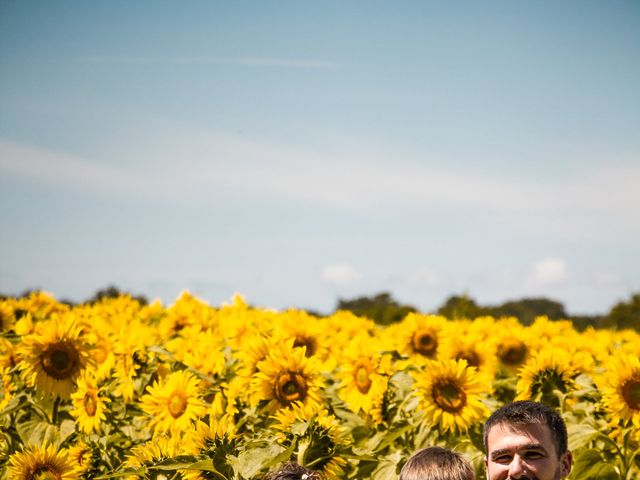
(531, 433)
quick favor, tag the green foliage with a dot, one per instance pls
(114, 292)
(527, 309)
(625, 314)
(460, 307)
(381, 308)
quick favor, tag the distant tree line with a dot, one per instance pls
(384, 310)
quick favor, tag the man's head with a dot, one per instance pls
(435, 463)
(526, 440)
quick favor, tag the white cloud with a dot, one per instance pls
(342, 275)
(548, 271)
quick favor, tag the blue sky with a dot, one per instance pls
(298, 152)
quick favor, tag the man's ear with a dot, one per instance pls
(486, 463)
(566, 461)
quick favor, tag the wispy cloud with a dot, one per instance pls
(302, 63)
(341, 275)
(62, 169)
(185, 163)
(547, 271)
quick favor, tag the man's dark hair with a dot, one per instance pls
(292, 471)
(528, 413)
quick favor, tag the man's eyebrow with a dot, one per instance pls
(528, 446)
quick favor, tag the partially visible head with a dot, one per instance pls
(435, 463)
(292, 471)
(523, 413)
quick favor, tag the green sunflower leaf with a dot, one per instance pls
(37, 432)
(248, 463)
(590, 464)
(580, 434)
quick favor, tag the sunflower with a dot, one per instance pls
(364, 376)
(238, 322)
(174, 402)
(98, 329)
(307, 332)
(320, 442)
(620, 386)
(24, 325)
(342, 326)
(54, 356)
(85, 457)
(8, 388)
(187, 311)
(511, 344)
(159, 448)
(471, 347)
(450, 394)
(7, 316)
(255, 348)
(200, 349)
(216, 440)
(130, 351)
(8, 354)
(287, 375)
(41, 305)
(227, 401)
(42, 462)
(558, 333)
(419, 335)
(89, 404)
(545, 376)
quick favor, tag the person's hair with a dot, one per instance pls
(523, 413)
(436, 463)
(293, 471)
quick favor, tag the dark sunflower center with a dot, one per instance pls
(45, 473)
(290, 387)
(425, 343)
(631, 393)
(5, 320)
(180, 322)
(90, 403)
(308, 342)
(512, 353)
(60, 360)
(472, 358)
(83, 457)
(361, 379)
(449, 396)
(177, 404)
(546, 383)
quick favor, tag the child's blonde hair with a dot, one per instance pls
(436, 463)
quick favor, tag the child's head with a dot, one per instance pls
(435, 463)
(292, 471)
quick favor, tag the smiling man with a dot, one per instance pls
(526, 441)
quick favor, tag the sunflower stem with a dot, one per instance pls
(302, 448)
(620, 453)
(626, 461)
(54, 411)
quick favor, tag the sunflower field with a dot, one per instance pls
(118, 389)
